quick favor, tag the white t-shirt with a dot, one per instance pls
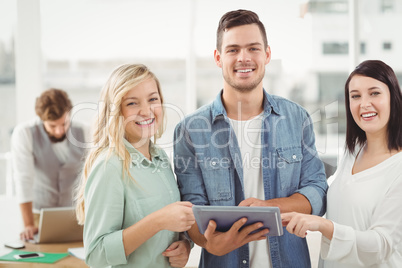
(366, 209)
(248, 135)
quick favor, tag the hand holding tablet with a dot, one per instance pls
(225, 216)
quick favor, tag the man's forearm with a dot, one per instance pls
(296, 202)
(27, 215)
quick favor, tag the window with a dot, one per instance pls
(331, 88)
(341, 48)
(362, 48)
(8, 17)
(335, 48)
(387, 46)
(387, 6)
(328, 6)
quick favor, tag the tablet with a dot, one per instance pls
(225, 216)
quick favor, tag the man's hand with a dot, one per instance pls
(178, 253)
(28, 233)
(254, 202)
(219, 243)
(296, 202)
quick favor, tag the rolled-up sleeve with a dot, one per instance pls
(189, 176)
(313, 182)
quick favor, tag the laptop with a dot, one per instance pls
(57, 225)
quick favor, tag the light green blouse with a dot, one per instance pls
(113, 204)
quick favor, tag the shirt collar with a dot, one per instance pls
(218, 110)
(138, 157)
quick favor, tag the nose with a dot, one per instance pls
(365, 102)
(243, 56)
(145, 109)
(59, 131)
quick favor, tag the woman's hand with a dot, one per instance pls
(176, 217)
(178, 253)
(299, 223)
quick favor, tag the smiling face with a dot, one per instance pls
(243, 58)
(369, 104)
(141, 108)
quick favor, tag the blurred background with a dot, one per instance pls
(75, 44)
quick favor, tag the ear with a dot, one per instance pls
(217, 57)
(268, 54)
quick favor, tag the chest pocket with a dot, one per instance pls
(289, 166)
(218, 177)
(146, 206)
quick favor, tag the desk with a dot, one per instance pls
(68, 261)
(10, 228)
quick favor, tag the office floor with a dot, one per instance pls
(10, 226)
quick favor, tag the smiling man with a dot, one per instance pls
(248, 148)
(45, 163)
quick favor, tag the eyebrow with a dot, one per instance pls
(370, 89)
(247, 45)
(135, 98)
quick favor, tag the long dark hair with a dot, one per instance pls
(382, 72)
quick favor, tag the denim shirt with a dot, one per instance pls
(209, 170)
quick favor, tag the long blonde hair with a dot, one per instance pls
(108, 130)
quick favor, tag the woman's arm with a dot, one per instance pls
(346, 244)
(106, 243)
(298, 224)
(176, 217)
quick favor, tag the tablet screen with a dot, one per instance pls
(225, 216)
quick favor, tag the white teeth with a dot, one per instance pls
(146, 122)
(368, 115)
(245, 71)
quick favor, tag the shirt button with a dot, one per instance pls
(294, 156)
(213, 163)
(244, 261)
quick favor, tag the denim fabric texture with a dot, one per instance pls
(209, 170)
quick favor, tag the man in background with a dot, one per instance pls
(45, 163)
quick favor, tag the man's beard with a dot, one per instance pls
(54, 139)
(243, 88)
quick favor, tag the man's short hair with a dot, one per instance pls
(52, 104)
(238, 18)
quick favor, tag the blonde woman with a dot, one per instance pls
(128, 197)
